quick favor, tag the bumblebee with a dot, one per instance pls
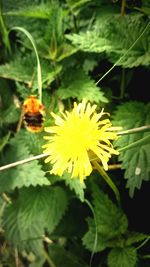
(33, 112)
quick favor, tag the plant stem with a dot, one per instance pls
(143, 141)
(122, 85)
(119, 60)
(114, 167)
(143, 243)
(108, 180)
(39, 73)
(123, 4)
(135, 130)
(96, 237)
(14, 164)
(4, 31)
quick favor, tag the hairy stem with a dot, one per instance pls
(108, 180)
(14, 164)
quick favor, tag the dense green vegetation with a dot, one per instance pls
(98, 50)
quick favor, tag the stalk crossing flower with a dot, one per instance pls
(78, 138)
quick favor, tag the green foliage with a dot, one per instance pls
(34, 211)
(76, 185)
(110, 221)
(22, 175)
(135, 160)
(50, 220)
(122, 257)
(41, 11)
(114, 35)
(23, 69)
(134, 237)
(79, 85)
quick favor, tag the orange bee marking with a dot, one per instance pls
(33, 112)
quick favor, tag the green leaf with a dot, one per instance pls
(136, 160)
(75, 184)
(143, 141)
(122, 257)
(33, 141)
(135, 237)
(79, 85)
(22, 175)
(35, 210)
(41, 11)
(23, 69)
(110, 219)
(89, 238)
(111, 222)
(10, 115)
(114, 35)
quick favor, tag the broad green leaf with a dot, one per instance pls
(33, 141)
(114, 35)
(35, 210)
(75, 184)
(122, 257)
(22, 175)
(79, 85)
(111, 220)
(89, 238)
(111, 223)
(135, 237)
(23, 69)
(40, 11)
(136, 160)
(10, 115)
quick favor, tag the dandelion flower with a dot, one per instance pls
(78, 138)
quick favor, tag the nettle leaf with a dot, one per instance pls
(111, 222)
(41, 11)
(10, 115)
(24, 69)
(90, 237)
(35, 210)
(32, 141)
(21, 175)
(136, 159)
(135, 237)
(122, 257)
(114, 35)
(110, 219)
(75, 184)
(79, 85)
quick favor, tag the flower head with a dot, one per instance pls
(78, 138)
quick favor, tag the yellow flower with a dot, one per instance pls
(78, 138)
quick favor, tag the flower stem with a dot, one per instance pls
(108, 180)
(127, 51)
(96, 237)
(14, 164)
(145, 128)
